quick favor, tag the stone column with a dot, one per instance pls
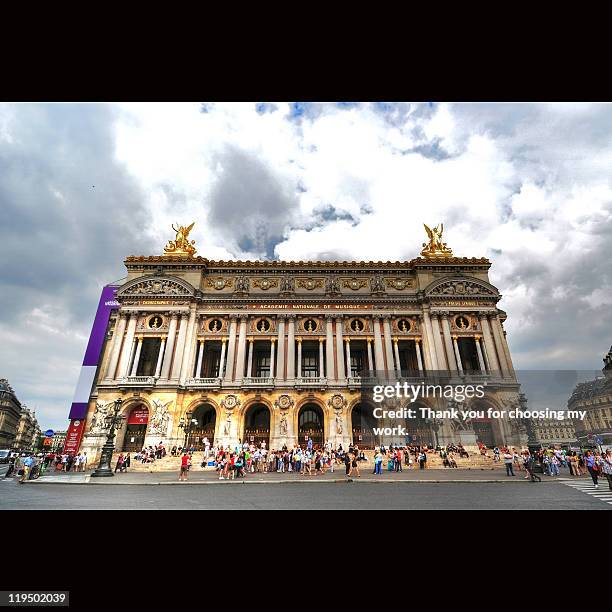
(378, 347)
(280, 364)
(481, 362)
(128, 346)
(457, 355)
(190, 345)
(299, 358)
(398, 365)
(272, 340)
(339, 350)
(329, 348)
(137, 357)
(388, 343)
(435, 328)
(321, 371)
(222, 358)
(290, 346)
(349, 370)
(116, 350)
(160, 357)
(180, 348)
(165, 371)
(452, 361)
(250, 359)
(370, 360)
(231, 349)
(241, 349)
(429, 349)
(499, 345)
(489, 349)
(198, 372)
(506, 347)
(417, 348)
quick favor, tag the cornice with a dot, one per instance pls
(202, 262)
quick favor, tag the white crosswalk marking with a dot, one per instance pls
(600, 493)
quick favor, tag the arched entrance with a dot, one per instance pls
(363, 423)
(257, 425)
(136, 429)
(311, 425)
(418, 430)
(483, 428)
(206, 416)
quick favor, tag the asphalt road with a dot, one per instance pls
(304, 496)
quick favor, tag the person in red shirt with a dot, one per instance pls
(184, 466)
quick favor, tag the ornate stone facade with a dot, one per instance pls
(277, 351)
(595, 396)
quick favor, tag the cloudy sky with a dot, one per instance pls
(83, 185)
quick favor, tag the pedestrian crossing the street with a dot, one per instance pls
(602, 493)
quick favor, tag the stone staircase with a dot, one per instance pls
(167, 464)
(172, 464)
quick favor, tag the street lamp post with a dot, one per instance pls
(114, 422)
(187, 424)
(532, 442)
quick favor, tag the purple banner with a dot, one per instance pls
(107, 303)
(98, 331)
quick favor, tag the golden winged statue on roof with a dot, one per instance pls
(180, 245)
(435, 247)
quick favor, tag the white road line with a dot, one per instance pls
(589, 489)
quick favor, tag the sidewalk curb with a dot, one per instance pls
(260, 482)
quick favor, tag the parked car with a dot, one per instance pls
(5, 455)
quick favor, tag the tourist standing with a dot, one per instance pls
(184, 466)
(508, 461)
(606, 467)
(592, 467)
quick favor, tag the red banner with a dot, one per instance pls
(138, 416)
(74, 435)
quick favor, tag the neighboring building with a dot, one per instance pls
(59, 439)
(27, 430)
(276, 350)
(595, 396)
(552, 432)
(10, 413)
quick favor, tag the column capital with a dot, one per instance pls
(233, 316)
(201, 340)
(347, 340)
(251, 339)
(444, 314)
(163, 337)
(417, 340)
(477, 337)
(140, 338)
(223, 340)
(281, 316)
(483, 314)
(369, 340)
(434, 315)
(291, 316)
(454, 338)
(377, 315)
(321, 339)
(244, 318)
(298, 339)
(184, 315)
(329, 317)
(272, 340)
(396, 340)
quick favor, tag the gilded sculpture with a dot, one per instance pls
(180, 245)
(435, 247)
